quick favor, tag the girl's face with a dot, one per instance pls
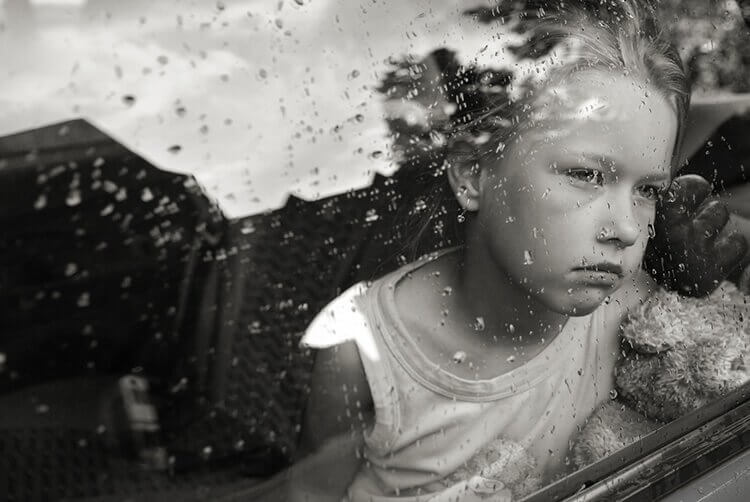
(565, 213)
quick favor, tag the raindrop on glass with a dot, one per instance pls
(84, 300)
(459, 357)
(479, 324)
(40, 202)
(651, 231)
(528, 259)
(447, 291)
(73, 198)
(613, 394)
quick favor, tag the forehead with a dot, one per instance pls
(605, 114)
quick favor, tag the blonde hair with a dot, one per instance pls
(562, 37)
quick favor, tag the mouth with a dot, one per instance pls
(601, 274)
(609, 268)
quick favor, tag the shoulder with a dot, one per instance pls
(339, 401)
(343, 320)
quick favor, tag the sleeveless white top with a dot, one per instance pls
(430, 424)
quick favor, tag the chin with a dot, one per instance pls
(578, 305)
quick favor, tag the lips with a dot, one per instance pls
(610, 268)
(605, 275)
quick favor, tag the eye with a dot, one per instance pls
(651, 192)
(586, 175)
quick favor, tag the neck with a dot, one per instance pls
(509, 313)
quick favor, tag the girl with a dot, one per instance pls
(510, 338)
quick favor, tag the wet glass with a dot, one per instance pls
(186, 187)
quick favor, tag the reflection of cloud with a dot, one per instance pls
(263, 99)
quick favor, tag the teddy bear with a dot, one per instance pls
(679, 354)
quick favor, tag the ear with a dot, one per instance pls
(464, 180)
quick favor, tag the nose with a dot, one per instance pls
(621, 227)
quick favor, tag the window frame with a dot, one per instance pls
(664, 460)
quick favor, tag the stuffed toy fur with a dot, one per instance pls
(679, 354)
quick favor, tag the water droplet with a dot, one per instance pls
(147, 195)
(108, 209)
(262, 73)
(651, 231)
(180, 111)
(101, 429)
(511, 329)
(239, 444)
(461, 217)
(299, 2)
(128, 99)
(354, 74)
(613, 394)
(528, 258)
(459, 357)
(70, 269)
(447, 291)
(511, 359)
(376, 154)
(42, 408)
(84, 300)
(162, 60)
(681, 267)
(174, 149)
(221, 5)
(206, 452)
(73, 198)
(40, 202)
(479, 324)
(359, 117)
(546, 193)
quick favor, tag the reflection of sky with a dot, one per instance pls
(251, 90)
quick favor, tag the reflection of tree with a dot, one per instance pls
(713, 39)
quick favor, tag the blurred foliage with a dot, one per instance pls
(714, 41)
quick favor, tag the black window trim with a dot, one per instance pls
(664, 460)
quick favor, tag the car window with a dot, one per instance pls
(205, 202)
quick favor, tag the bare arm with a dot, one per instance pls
(338, 411)
(340, 401)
